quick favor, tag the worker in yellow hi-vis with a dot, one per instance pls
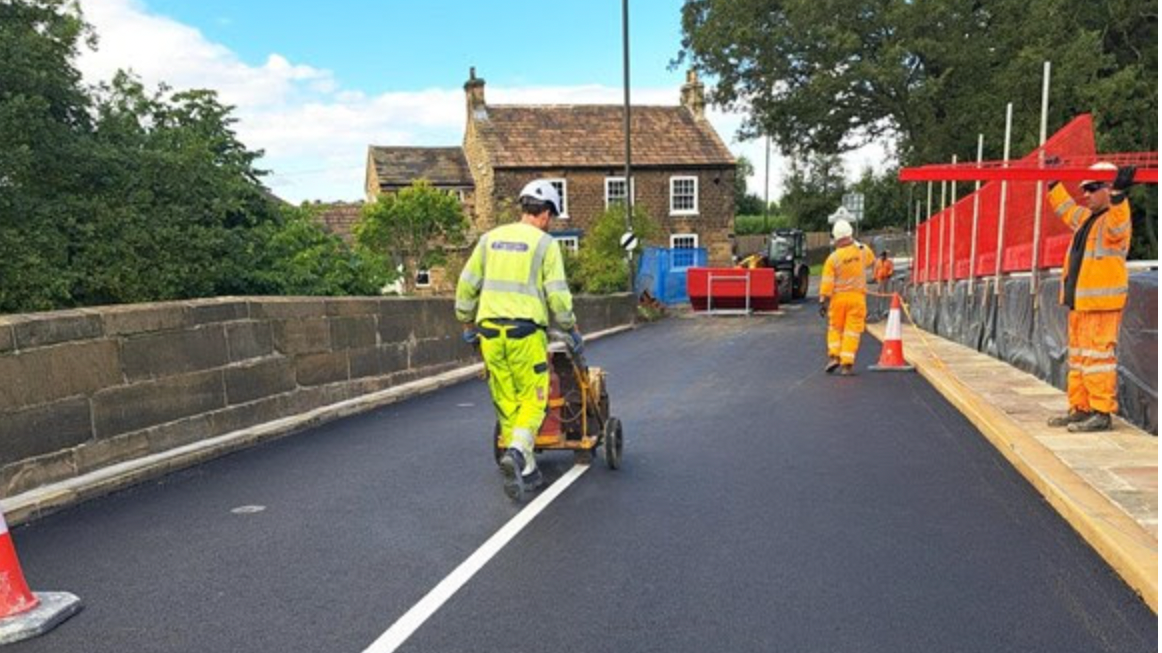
(514, 279)
(843, 298)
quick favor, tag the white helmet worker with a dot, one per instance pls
(842, 229)
(543, 191)
(1100, 165)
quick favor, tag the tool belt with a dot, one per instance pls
(514, 329)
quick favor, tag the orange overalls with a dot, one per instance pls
(1094, 288)
(883, 271)
(845, 283)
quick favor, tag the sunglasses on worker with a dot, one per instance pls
(1093, 186)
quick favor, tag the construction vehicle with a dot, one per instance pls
(786, 252)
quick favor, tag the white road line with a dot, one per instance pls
(402, 629)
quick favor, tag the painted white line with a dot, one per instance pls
(402, 629)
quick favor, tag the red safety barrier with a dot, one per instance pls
(713, 289)
(944, 242)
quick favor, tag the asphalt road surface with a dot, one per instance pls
(762, 506)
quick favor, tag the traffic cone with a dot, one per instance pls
(892, 355)
(25, 614)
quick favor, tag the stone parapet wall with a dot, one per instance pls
(88, 388)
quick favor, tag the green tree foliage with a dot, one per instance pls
(757, 224)
(298, 257)
(599, 267)
(830, 75)
(885, 199)
(119, 194)
(813, 190)
(411, 227)
(745, 203)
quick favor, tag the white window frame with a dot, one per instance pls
(571, 243)
(674, 238)
(564, 191)
(674, 182)
(632, 194)
(427, 274)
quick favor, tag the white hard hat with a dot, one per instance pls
(541, 189)
(1100, 165)
(842, 229)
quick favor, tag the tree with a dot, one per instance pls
(885, 199)
(745, 203)
(122, 194)
(412, 226)
(830, 75)
(599, 267)
(814, 189)
(299, 257)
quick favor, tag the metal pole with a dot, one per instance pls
(628, 182)
(767, 185)
(928, 236)
(916, 246)
(975, 215)
(1004, 197)
(952, 236)
(1040, 198)
(940, 247)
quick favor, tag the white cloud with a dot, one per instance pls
(314, 133)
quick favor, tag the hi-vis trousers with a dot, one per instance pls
(1093, 363)
(516, 355)
(845, 323)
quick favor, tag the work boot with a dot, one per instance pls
(832, 364)
(1073, 416)
(511, 465)
(847, 370)
(1097, 421)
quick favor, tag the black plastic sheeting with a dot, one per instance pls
(1033, 338)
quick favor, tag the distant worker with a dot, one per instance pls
(514, 279)
(883, 272)
(1094, 285)
(843, 298)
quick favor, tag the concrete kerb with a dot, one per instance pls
(1117, 538)
(50, 498)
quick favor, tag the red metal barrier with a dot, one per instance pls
(727, 289)
(944, 242)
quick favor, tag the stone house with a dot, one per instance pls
(683, 174)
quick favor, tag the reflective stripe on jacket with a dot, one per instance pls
(846, 270)
(515, 272)
(1102, 282)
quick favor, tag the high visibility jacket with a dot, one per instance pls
(515, 272)
(846, 270)
(883, 269)
(1100, 282)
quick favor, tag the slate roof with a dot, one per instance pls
(400, 166)
(593, 136)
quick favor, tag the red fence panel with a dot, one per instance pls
(944, 242)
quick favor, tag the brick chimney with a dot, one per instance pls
(474, 91)
(692, 95)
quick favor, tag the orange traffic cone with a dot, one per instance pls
(22, 613)
(892, 356)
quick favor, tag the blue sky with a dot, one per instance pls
(314, 84)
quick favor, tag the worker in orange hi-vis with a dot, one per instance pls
(843, 298)
(1094, 286)
(883, 271)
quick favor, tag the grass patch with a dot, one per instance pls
(817, 270)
